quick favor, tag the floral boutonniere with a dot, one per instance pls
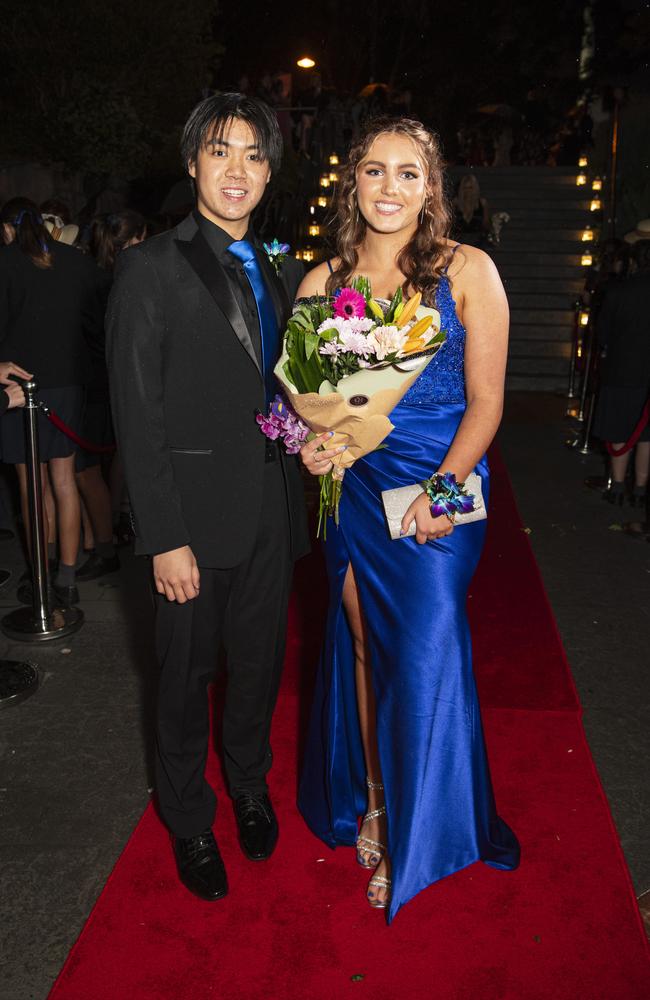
(277, 253)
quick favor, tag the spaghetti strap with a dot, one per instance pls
(329, 264)
(446, 268)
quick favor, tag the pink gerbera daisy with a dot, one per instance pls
(349, 304)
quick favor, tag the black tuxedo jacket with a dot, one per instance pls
(185, 388)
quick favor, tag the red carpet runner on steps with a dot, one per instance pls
(565, 926)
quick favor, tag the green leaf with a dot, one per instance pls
(311, 343)
(394, 302)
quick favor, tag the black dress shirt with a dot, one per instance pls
(219, 240)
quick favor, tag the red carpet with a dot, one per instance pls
(565, 926)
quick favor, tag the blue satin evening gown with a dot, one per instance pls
(440, 808)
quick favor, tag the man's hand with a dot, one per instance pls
(428, 528)
(16, 395)
(8, 368)
(176, 574)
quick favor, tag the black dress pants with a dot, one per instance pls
(245, 608)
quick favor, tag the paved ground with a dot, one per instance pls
(74, 769)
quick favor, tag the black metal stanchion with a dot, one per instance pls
(571, 392)
(42, 621)
(589, 421)
(588, 374)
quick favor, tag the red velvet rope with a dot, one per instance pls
(636, 434)
(86, 445)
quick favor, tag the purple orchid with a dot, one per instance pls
(283, 423)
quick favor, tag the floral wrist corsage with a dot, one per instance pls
(446, 496)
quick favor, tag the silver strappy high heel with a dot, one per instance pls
(365, 844)
(380, 883)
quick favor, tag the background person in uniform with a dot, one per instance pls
(50, 305)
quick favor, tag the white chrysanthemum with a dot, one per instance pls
(330, 347)
(355, 342)
(385, 340)
(338, 323)
(362, 325)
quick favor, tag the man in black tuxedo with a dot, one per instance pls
(194, 329)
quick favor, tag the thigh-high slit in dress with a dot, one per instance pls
(440, 807)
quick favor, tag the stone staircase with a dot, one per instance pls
(539, 261)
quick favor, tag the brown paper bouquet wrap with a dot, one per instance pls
(357, 406)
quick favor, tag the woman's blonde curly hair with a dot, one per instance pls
(424, 258)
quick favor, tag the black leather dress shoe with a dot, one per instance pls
(258, 827)
(96, 566)
(200, 866)
(67, 596)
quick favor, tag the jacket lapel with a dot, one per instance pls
(208, 269)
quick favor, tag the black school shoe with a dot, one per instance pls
(200, 866)
(257, 825)
(96, 566)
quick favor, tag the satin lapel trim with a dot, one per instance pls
(205, 265)
(277, 290)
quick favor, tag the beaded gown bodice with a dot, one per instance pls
(443, 380)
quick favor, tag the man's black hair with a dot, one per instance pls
(210, 118)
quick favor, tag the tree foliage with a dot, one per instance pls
(102, 87)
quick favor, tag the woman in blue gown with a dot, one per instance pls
(395, 735)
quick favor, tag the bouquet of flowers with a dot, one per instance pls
(346, 364)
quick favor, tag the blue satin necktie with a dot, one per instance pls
(245, 252)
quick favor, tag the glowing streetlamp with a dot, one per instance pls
(323, 202)
(586, 260)
(334, 160)
(597, 184)
(306, 62)
(583, 161)
(581, 180)
(314, 230)
(325, 181)
(584, 317)
(596, 205)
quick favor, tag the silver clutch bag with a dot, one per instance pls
(397, 502)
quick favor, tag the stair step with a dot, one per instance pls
(544, 300)
(513, 236)
(534, 331)
(539, 349)
(531, 284)
(531, 259)
(543, 317)
(538, 366)
(499, 178)
(535, 383)
(556, 202)
(537, 214)
(540, 272)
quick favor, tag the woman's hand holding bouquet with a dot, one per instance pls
(346, 364)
